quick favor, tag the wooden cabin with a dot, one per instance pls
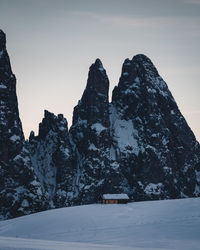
(115, 198)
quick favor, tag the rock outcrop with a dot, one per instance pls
(52, 159)
(90, 137)
(139, 144)
(156, 150)
(20, 192)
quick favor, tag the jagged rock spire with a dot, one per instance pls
(5, 67)
(139, 144)
(12, 137)
(95, 94)
(90, 135)
(97, 83)
(52, 122)
(2, 40)
(160, 153)
(20, 192)
(52, 159)
(145, 63)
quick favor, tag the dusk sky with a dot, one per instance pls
(52, 44)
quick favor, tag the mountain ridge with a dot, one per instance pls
(139, 144)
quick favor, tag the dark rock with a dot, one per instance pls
(157, 152)
(20, 192)
(91, 137)
(11, 139)
(139, 144)
(52, 159)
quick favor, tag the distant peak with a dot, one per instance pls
(126, 64)
(97, 71)
(32, 135)
(127, 61)
(97, 84)
(2, 40)
(146, 63)
(48, 114)
(141, 58)
(51, 116)
(98, 64)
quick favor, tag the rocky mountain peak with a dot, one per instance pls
(160, 152)
(51, 157)
(90, 135)
(5, 67)
(20, 192)
(98, 63)
(140, 66)
(98, 67)
(12, 137)
(140, 83)
(52, 122)
(2, 40)
(97, 83)
(143, 59)
(95, 96)
(139, 144)
(144, 66)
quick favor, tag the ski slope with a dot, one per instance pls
(155, 225)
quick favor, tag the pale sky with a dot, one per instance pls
(52, 43)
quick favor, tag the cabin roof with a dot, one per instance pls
(115, 197)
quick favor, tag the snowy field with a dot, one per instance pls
(168, 224)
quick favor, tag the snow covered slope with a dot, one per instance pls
(168, 224)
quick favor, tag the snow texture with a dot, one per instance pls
(2, 86)
(166, 225)
(98, 127)
(14, 138)
(115, 197)
(126, 135)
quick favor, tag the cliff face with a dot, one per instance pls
(20, 192)
(12, 137)
(52, 159)
(139, 144)
(90, 136)
(155, 149)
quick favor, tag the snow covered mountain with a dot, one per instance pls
(20, 191)
(52, 159)
(90, 137)
(154, 147)
(139, 144)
